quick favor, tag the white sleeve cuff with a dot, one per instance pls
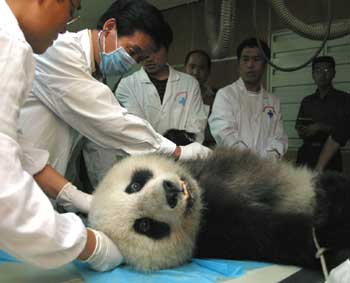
(166, 146)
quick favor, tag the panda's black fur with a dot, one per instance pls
(250, 209)
(246, 225)
(180, 137)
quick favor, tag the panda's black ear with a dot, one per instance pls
(151, 228)
(139, 178)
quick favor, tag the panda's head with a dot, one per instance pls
(150, 207)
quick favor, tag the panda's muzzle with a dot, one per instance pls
(172, 192)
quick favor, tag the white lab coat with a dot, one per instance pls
(30, 229)
(80, 105)
(182, 106)
(243, 119)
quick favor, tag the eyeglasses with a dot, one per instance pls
(73, 13)
(323, 70)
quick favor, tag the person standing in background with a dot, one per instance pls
(198, 64)
(319, 115)
(244, 115)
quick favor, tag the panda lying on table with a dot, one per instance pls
(232, 205)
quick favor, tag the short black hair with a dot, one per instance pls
(327, 59)
(201, 52)
(167, 36)
(138, 15)
(252, 42)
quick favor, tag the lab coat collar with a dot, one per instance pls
(243, 89)
(9, 23)
(173, 75)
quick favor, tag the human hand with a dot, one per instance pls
(74, 200)
(194, 150)
(106, 254)
(273, 155)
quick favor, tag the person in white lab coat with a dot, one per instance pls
(244, 115)
(30, 229)
(166, 98)
(163, 96)
(71, 102)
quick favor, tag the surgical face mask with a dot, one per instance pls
(115, 63)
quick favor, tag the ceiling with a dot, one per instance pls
(166, 4)
(92, 9)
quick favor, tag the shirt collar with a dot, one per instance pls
(173, 75)
(243, 88)
(331, 90)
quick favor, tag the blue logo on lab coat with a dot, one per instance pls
(181, 98)
(270, 114)
(270, 111)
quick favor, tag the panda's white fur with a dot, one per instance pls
(297, 193)
(231, 205)
(114, 212)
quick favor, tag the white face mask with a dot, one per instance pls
(115, 63)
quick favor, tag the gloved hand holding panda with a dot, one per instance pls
(231, 205)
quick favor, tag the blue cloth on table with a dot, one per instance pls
(198, 270)
(4, 257)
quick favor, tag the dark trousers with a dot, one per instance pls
(308, 155)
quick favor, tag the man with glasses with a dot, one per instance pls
(30, 229)
(74, 12)
(71, 100)
(319, 115)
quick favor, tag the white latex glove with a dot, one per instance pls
(106, 255)
(194, 150)
(74, 200)
(340, 274)
(273, 155)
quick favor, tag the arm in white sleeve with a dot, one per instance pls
(30, 228)
(197, 117)
(279, 140)
(33, 159)
(125, 94)
(65, 86)
(223, 123)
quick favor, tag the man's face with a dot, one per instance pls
(251, 66)
(156, 61)
(323, 74)
(48, 19)
(197, 66)
(138, 45)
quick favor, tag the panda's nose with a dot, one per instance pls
(171, 193)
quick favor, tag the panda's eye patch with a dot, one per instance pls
(138, 180)
(151, 228)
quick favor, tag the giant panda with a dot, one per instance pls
(231, 205)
